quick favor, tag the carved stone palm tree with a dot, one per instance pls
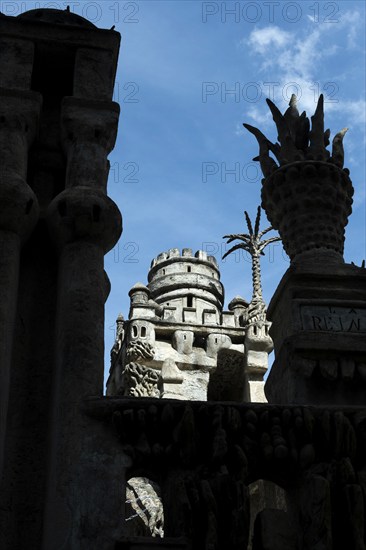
(252, 242)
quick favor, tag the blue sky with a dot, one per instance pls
(182, 171)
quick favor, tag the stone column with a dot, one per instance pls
(84, 224)
(19, 112)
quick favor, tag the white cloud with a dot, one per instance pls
(263, 40)
(353, 21)
(355, 111)
(297, 60)
(259, 116)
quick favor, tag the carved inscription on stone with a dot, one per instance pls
(333, 318)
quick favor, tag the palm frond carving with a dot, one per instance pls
(253, 243)
(296, 140)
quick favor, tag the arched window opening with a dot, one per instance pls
(143, 332)
(134, 331)
(189, 269)
(144, 513)
(189, 301)
(264, 495)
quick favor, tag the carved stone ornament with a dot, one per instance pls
(144, 508)
(307, 196)
(140, 351)
(140, 381)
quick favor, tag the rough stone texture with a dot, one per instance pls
(229, 381)
(318, 328)
(179, 314)
(309, 203)
(264, 495)
(56, 223)
(140, 381)
(144, 508)
(206, 459)
(273, 531)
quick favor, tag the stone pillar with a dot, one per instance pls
(19, 112)
(84, 224)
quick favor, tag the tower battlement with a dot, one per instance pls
(174, 254)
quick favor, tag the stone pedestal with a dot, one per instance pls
(318, 316)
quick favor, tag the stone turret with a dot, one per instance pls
(183, 335)
(239, 306)
(188, 284)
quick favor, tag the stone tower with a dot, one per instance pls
(57, 126)
(189, 285)
(180, 343)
